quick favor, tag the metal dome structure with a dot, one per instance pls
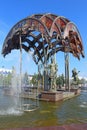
(44, 35)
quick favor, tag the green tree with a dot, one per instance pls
(82, 81)
(34, 80)
(26, 79)
(63, 79)
(1, 80)
(60, 81)
(7, 79)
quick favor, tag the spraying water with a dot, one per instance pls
(8, 104)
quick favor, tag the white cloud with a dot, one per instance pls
(81, 77)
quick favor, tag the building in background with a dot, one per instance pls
(5, 71)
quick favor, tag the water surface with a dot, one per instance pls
(49, 114)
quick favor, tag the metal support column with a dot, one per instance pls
(67, 84)
(20, 62)
(45, 73)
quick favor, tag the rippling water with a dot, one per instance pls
(49, 114)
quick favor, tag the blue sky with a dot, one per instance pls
(11, 11)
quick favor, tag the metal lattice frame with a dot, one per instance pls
(41, 33)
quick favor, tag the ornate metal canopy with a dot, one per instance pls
(46, 31)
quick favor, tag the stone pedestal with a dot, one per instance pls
(59, 95)
(52, 96)
(76, 91)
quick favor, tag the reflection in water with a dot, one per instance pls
(10, 111)
(49, 114)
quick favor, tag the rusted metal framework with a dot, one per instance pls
(45, 35)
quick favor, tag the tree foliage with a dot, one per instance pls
(26, 79)
(34, 80)
(60, 80)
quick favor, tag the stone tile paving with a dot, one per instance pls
(64, 127)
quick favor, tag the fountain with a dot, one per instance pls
(55, 34)
(9, 97)
(17, 100)
(26, 104)
(46, 34)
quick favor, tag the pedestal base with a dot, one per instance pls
(51, 96)
(59, 95)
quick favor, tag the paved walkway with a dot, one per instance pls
(64, 127)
